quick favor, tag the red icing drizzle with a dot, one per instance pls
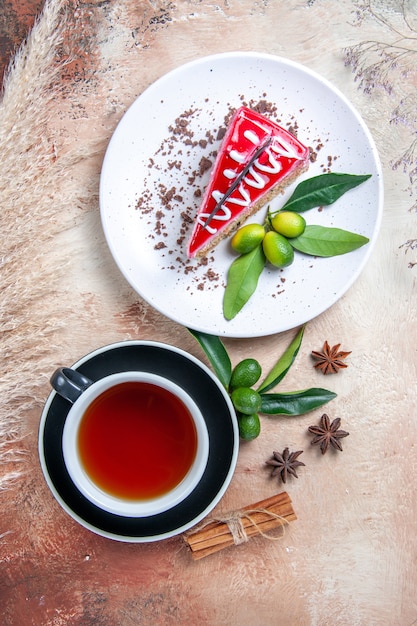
(247, 131)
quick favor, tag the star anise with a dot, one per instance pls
(285, 463)
(327, 433)
(330, 360)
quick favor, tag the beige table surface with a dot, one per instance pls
(351, 556)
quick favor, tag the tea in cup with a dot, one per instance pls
(134, 443)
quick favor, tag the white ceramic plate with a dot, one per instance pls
(154, 171)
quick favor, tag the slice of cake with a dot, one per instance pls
(257, 160)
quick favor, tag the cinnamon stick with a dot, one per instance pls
(237, 527)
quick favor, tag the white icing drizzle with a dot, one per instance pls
(274, 166)
(259, 125)
(251, 136)
(218, 195)
(223, 215)
(237, 156)
(253, 179)
(201, 219)
(285, 149)
(257, 181)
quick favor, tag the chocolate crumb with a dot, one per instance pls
(205, 164)
(186, 218)
(211, 275)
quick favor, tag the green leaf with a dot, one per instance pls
(217, 355)
(242, 281)
(322, 190)
(323, 241)
(283, 364)
(296, 402)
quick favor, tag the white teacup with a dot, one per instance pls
(134, 443)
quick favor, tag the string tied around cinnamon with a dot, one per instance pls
(234, 522)
(239, 526)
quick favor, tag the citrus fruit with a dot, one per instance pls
(246, 400)
(288, 223)
(277, 249)
(246, 373)
(249, 426)
(247, 238)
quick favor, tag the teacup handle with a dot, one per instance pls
(69, 383)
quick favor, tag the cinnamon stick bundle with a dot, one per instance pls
(237, 527)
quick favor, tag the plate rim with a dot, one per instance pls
(183, 527)
(251, 332)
